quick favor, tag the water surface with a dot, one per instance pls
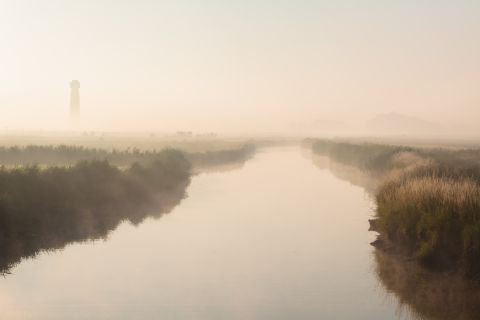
(276, 239)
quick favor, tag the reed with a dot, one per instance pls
(428, 200)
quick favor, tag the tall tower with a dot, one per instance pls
(74, 98)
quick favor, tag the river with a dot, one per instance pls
(278, 238)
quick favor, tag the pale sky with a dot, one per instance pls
(237, 65)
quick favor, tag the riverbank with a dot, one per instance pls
(68, 155)
(46, 208)
(428, 200)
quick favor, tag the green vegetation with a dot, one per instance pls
(428, 200)
(63, 155)
(375, 158)
(46, 207)
(202, 160)
(121, 142)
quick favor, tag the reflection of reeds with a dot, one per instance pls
(426, 295)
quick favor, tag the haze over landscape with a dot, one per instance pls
(240, 66)
(227, 159)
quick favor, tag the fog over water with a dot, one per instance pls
(295, 244)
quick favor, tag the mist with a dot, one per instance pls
(227, 159)
(303, 68)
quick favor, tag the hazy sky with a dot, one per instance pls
(236, 65)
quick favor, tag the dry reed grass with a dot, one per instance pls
(428, 201)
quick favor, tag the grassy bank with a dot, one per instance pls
(428, 200)
(45, 207)
(212, 159)
(63, 155)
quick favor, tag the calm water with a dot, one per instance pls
(276, 239)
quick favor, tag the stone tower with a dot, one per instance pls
(74, 98)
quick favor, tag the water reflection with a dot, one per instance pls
(418, 293)
(275, 240)
(83, 226)
(278, 239)
(421, 294)
(48, 219)
(351, 174)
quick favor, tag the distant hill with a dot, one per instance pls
(396, 123)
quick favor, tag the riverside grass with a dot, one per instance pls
(428, 200)
(46, 208)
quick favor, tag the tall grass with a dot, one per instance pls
(44, 209)
(63, 155)
(375, 158)
(428, 201)
(435, 218)
(80, 194)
